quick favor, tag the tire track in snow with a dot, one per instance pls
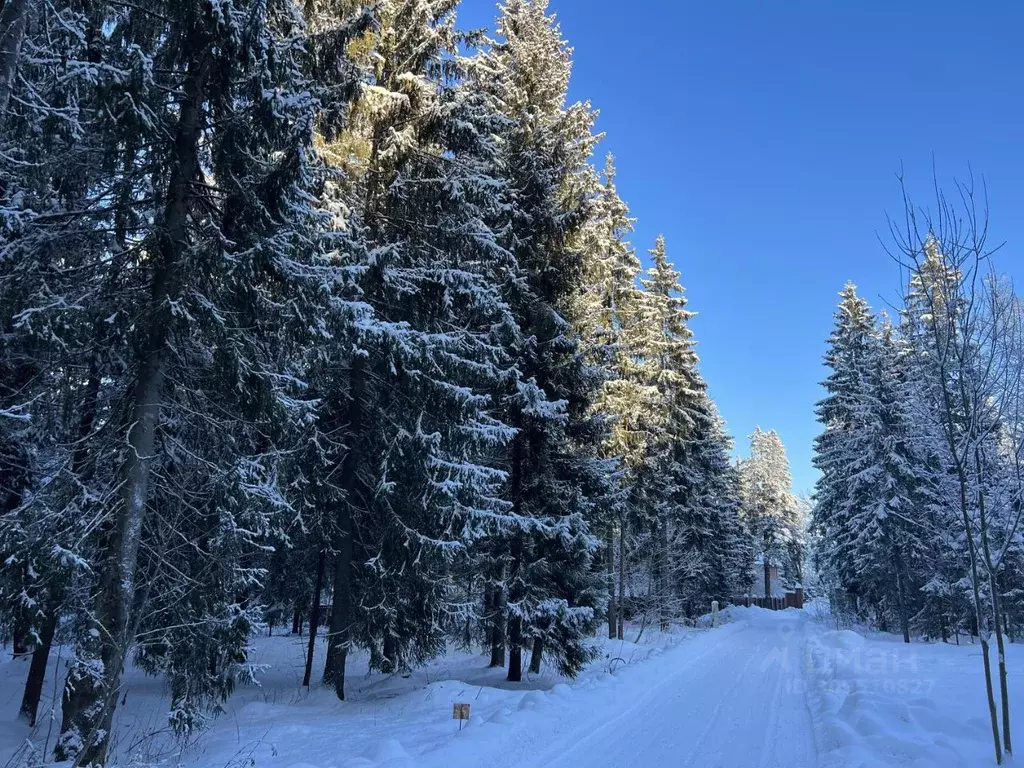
(697, 750)
(551, 755)
(716, 709)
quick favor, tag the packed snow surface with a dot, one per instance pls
(729, 698)
(767, 689)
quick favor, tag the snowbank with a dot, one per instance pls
(876, 702)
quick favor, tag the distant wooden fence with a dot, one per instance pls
(794, 599)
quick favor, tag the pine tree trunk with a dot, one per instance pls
(341, 605)
(515, 649)
(90, 694)
(497, 628)
(621, 631)
(901, 598)
(665, 585)
(296, 621)
(767, 576)
(535, 656)
(390, 653)
(514, 623)
(19, 632)
(314, 615)
(37, 669)
(609, 559)
(13, 21)
(88, 705)
(497, 654)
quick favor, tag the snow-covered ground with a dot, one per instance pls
(728, 698)
(766, 689)
(280, 725)
(877, 701)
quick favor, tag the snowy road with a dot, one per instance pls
(737, 702)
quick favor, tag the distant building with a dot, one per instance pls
(757, 579)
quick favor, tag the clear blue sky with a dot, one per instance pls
(763, 138)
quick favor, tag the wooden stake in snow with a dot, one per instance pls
(714, 613)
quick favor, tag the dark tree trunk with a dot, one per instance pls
(901, 589)
(664, 584)
(767, 577)
(497, 653)
(390, 650)
(296, 621)
(13, 21)
(535, 656)
(37, 669)
(621, 630)
(515, 650)
(90, 698)
(314, 615)
(514, 624)
(19, 646)
(341, 605)
(497, 626)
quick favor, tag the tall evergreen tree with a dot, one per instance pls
(554, 479)
(768, 504)
(417, 426)
(698, 554)
(619, 340)
(185, 166)
(849, 355)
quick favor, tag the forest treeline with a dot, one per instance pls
(323, 304)
(916, 522)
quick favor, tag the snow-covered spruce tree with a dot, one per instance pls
(619, 340)
(889, 531)
(59, 340)
(183, 211)
(710, 555)
(769, 509)
(839, 450)
(297, 581)
(695, 527)
(543, 576)
(876, 497)
(417, 433)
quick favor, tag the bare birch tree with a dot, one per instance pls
(968, 330)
